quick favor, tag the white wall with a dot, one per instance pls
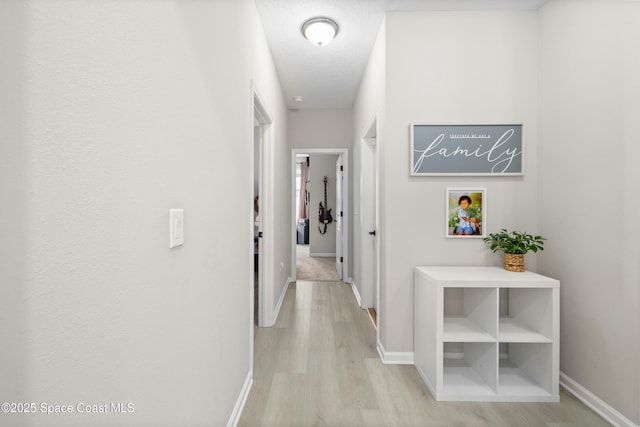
(369, 104)
(450, 67)
(589, 110)
(112, 113)
(13, 195)
(320, 128)
(322, 165)
(323, 128)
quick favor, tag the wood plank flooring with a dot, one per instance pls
(319, 367)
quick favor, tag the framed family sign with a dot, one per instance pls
(438, 150)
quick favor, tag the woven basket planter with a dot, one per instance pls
(514, 262)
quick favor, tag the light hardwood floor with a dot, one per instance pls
(314, 268)
(319, 367)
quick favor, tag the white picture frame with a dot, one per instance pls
(475, 210)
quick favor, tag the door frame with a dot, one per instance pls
(345, 206)
(339, 219)
(260, 114)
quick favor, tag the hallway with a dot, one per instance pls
(117, 114)
(319, 366)
(315, 268)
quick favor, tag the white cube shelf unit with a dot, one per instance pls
(487, 334)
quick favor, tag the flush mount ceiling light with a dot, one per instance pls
(320, 31)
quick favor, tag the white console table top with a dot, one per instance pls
(482, 277)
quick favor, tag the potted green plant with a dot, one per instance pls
(514, 244)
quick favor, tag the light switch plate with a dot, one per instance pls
(176, 227)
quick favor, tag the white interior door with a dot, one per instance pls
(369, 220)
(339, 216)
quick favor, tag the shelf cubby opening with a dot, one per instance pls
(527, 370)
(471, 372)
(470, 315)
(525, 315)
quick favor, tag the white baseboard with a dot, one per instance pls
(281, 300)
(354, 288)
(598, 405)
(242, 399)
(322, 255)
(394, 357)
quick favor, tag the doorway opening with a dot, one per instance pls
(320, 243)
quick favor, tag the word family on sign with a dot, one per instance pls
(448, 150)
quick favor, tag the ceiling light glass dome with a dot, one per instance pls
(320, 31)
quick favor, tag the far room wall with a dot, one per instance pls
(322, 165)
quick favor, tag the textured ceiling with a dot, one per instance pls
(329, 77)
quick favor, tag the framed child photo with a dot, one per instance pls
(466, 213)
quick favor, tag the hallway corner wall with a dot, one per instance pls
(589, 157)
